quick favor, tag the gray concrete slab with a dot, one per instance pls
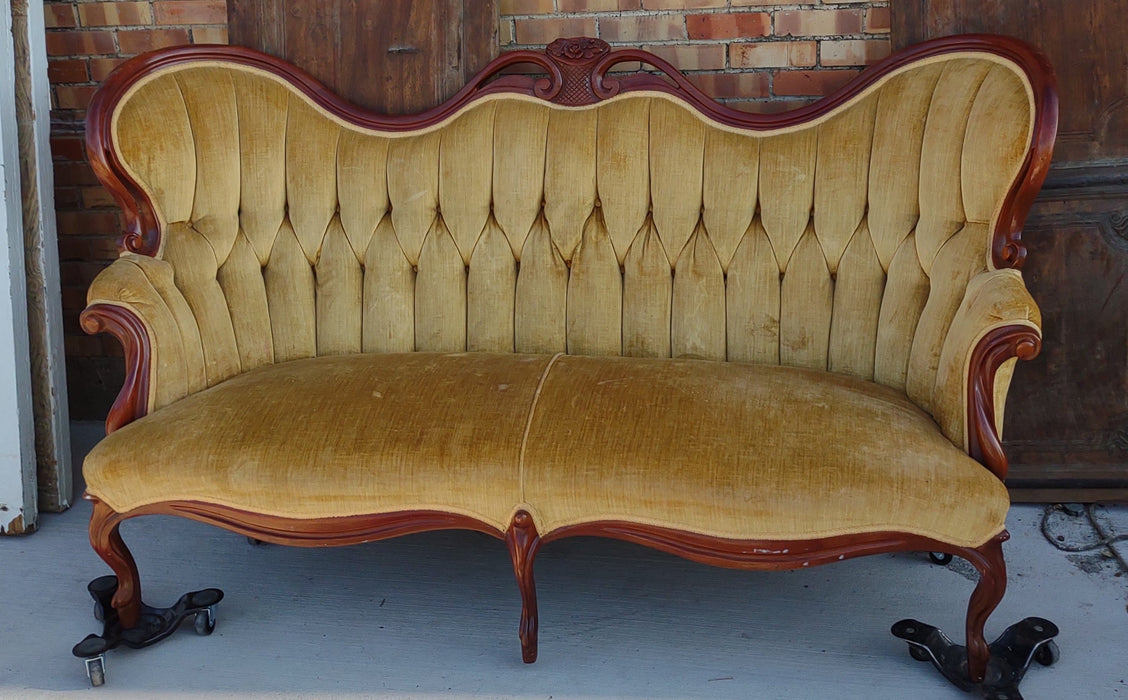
(435, 615)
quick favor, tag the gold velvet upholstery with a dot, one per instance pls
(725, 449)
(748, 452)
(333, 436)
(856, 244)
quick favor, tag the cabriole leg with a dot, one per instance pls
(995, 669)
(107, 542)
(524, 542)
(984, 599)
(117, 601)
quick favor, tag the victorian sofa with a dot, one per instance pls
(585, 303)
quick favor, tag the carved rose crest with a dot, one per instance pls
(578, 49)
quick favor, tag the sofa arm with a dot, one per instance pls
(996, 324)
(134, 300)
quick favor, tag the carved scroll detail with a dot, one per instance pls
(133, 400)
(989, 354)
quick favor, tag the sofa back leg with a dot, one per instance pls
(107, 542)
(988, 592)
(524, 542)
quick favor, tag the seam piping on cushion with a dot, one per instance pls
(529, 422)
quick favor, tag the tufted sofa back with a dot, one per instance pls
(637, 226)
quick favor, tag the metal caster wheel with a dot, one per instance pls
(205, 621)
(255, 543)
(99, 613)
(96, 670)
(940, 558)
(1048, 654)
(919, 654)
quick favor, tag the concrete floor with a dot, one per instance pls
(435, 615)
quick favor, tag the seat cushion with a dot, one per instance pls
(747, 452)
(334, 436)
(725, 449)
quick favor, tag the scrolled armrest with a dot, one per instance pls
(124, 302)
(997, 323)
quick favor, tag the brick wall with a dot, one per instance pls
(757, 55)
(85, 41)
(753, 54)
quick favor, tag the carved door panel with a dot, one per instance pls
(1066, 427)
(391, 56)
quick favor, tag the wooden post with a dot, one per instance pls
(18, 510)
(44, 289)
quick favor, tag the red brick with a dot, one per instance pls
(190, 11)
(67, 70)
(853, 52)
(772, 54)
(636, 28)
(74, 174)
(728, 25)
(739, 85)
(73, 297)
(818, 22)
(74, 248)
(810, 82)
(142, 40)
(67, 198)
(96, 197)
(526, 7)
(877, 20)
(70, 274)
(543, 31)
(209, 35)
(68, 148)
(681, 4)
(73, 96)
(100, 68)
(114, 14)
(626, 67)
(596, 5)
(691, 56)
(105, 247)
(80, 43)
(59, 16)
(87, 223)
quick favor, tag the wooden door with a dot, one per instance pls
(390, 56)
(1066, 427)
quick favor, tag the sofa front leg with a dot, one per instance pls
(523, 542)
(106, 541)
(995, 670)
(117, 601)
(985, 598)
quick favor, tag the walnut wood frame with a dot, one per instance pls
(576, 74)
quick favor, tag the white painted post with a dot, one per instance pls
(18, 510)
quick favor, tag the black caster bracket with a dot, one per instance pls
(1011, 654)
(155, 624)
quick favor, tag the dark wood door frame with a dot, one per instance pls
(1067, 420)
(389, 56)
